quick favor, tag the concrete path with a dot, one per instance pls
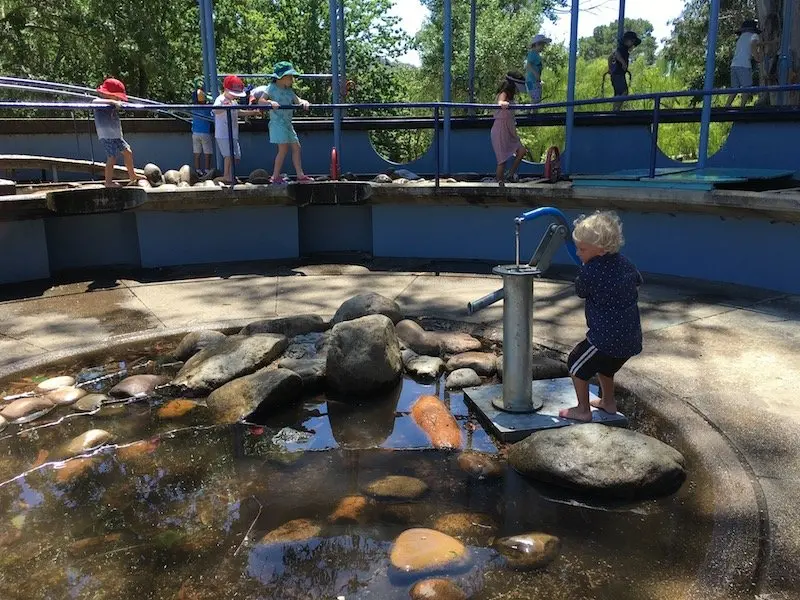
(731, 354)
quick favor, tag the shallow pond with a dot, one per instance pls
(177, 506)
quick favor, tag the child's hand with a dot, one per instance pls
(274, 104)
(305, 104)
(504, 104)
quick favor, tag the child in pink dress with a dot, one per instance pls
(505, 141)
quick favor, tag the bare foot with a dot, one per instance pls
(112, 184)
(576, 414)
(609, 407)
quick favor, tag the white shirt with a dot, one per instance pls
(744, 50)
(221, 120)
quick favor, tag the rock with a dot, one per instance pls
(462, 378)
(367, 304)
(310, 370)
(483, 363)
(351, 509)
(66, 396)
(309, 345)
(153, 174)
(297, 530)
(363, 356)
(480, 465)
(259, 177)
(233, 357)
(138, 449)
(398, 487)
(288, 326)
(425, 549)
(210, 175)
(26, 407)
(183, 184)
(455, 342)
(92, 545)
(528, 551)
(361, 424)
(402, 173)
(400, 181)
(417, 339)
(409, 514)
(3, 423)
(176, 408)
(75, 468)
(195, 341)
(188, 175)
(436, 589)
(433, 417)
(603, 460)
(49, 385)
(143, 183)
(543, 368)
(172, 177)
(90, 402)
(422, 367)
(263, 392)
(465, 525)
(382, 178)
(137, 385)
(89, 440)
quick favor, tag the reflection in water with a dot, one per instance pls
(176, 506)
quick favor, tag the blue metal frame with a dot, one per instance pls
(786, 34)
(337, 113)
(621, 20)
(573, 59)
(473, 24)
(447, 78)
(654, 136)
(708, 84)
(561, 217)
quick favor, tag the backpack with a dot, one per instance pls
(612, 63)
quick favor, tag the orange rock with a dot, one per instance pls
(423, 549)
(176, 408)
(92, 544)
(73, 468)
(351, 509)
(41, 458)
(433, 417)
(436, 589)
(297, 530)
(137, 449)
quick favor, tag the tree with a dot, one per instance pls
(604, 39)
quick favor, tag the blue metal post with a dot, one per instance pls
(211, 46)
(708, 84)
(447, 80)
(342, 52)
(436, 145)
(786, 36)
(654, 135)
(573, 59)
(473, 19)
(337, 113)
(621, 21)
(204, 46)
(229, 116)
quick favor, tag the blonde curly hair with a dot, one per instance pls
(602, 229)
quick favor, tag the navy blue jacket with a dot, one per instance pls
(609, 283)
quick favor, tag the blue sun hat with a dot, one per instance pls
(282, 69)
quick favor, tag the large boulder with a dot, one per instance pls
(153, 174)
(233, 357)
(367, 304)
(310, 370)
(195, 341)
(602, 460)
(363, 356)
(263, 392)
(288, 326)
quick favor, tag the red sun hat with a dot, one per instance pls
(234, 85)
(114, 87)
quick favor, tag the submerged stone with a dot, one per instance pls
(288, 326)
(528, 551)
(90, 402)
(89, 440)
(425, 549)
(434, 418)
(66, 395)
(422, 367)
(465, 525)
(480, 464)
(436, 589)
(370, 303)
(48, 385)
(360, 424)
(233, 357)
(26, 407)
(363, 356)
(462, 378)
(176, 408)
(297, 530)
(137, 385)
(92, 545)
(195, 341)
(264, 392)
(600, 459)
(351, 509)
(398, 487)
(74, 468)
(483, 363)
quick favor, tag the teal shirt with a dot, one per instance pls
(281, 130)
(534, 63)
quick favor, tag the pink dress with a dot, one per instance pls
(505, 140)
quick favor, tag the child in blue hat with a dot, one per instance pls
(281, 131)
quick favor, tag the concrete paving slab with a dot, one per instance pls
(186, 303)
(322, 295)
(12, 350)
(783, 568)
(554, 394)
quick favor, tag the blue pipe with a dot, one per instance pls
(473, 20)
(447, 80)
(562, 218)
(708, 84)
(621, 20)
(573, 59)
(211, 47)
(337, 114)
(654, 136)
(342, 51)
(786, 34)
(204, 46)
(436, 144)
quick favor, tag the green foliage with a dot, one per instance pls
(603, 40)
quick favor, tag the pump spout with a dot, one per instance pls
(482, 303)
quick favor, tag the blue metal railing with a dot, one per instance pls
(438, 109)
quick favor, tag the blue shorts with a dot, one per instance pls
(114, 147)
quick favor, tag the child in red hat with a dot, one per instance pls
(109, 129)
(232, 90)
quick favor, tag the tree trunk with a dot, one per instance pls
(770, 16)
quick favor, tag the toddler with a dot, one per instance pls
(609, 282)
(232, 90)
(620, 63)
(281, 131)
(109, 129)
(505, 141)
(533, 67)
(202, 143)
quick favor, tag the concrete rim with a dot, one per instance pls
(734, 558)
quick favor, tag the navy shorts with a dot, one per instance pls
(620, 84)
(585, 361)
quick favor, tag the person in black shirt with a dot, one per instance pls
(619, 65)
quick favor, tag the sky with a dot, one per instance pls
(596, 12)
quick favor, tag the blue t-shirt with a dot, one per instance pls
(201, 119)
(106, 121)
(534, 61)
(609, 283)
